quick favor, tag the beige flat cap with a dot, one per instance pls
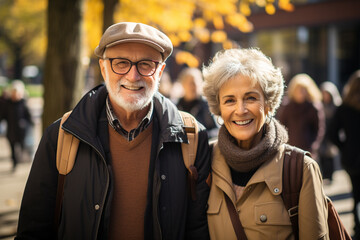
(134, 32)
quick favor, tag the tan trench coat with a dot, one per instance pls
(262, 198)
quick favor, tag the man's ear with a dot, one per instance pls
(162, 70)
(102, 67)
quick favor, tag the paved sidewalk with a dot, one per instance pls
(11, 190)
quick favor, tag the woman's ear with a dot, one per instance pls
(267, 109)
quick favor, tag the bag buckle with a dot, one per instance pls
(293, 211)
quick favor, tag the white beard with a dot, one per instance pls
(138, 101)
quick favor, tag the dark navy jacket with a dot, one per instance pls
(170, 211)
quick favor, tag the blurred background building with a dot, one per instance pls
(320, 38)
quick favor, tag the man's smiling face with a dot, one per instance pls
(131, 91)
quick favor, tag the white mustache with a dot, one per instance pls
(130, 84)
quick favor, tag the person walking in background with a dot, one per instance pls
(3, 104)
(192, 101)
(303, 115)
(18, 118)
(245, 89)
(328, 151)
(344, 131)
(165, 85)
(129, 180)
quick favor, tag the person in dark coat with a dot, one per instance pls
(3, 105)
(18, 120)
(302, 113)
(129, 180)
(344, 131)
(328, 151)
(193, 101)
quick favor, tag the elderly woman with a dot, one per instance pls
(244, 88)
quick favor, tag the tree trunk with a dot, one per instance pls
(108, 19)
(108, 16)
(63, 74)
(18, 61)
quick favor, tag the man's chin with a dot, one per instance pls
(132, 105)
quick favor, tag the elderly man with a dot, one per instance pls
(129, 180)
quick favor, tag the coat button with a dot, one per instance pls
(163, 177)
(276, 190)
(263, 218)
(97, 207)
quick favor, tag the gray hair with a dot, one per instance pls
(251, 63)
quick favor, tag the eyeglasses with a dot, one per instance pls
(122, 66)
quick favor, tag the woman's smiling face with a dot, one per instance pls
(243, 109)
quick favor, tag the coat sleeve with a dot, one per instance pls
(334, 128)
(196, 226)
(36, 217)
(318, 126)
(312, 204)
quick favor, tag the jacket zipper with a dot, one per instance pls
(107, 182)
(156, 200)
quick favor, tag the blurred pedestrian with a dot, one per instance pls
(328, 151)
(18, 120)
(303, 115)
(193, 102)
(165, 85)
(3, 106)
(344, 131)
(245, 89)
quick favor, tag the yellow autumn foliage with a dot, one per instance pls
(176, 17)
(244, 8)
(218, 36)
(93, 10)
(270, 9)
(23, 23)
(183, 57)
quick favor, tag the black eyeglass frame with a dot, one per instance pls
(132, 64)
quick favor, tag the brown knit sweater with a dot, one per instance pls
(130, 166)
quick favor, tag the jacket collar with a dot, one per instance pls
(270, 173)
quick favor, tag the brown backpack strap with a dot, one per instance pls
(189, 150)
(292, 182)
(235, 220)
(67, 146)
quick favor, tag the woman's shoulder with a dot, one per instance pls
(311, 166)
(308, 160)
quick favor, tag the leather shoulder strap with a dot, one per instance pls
(235, 220)
(189, 149)
(191, 129)
(292, 182)
(67, 146)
